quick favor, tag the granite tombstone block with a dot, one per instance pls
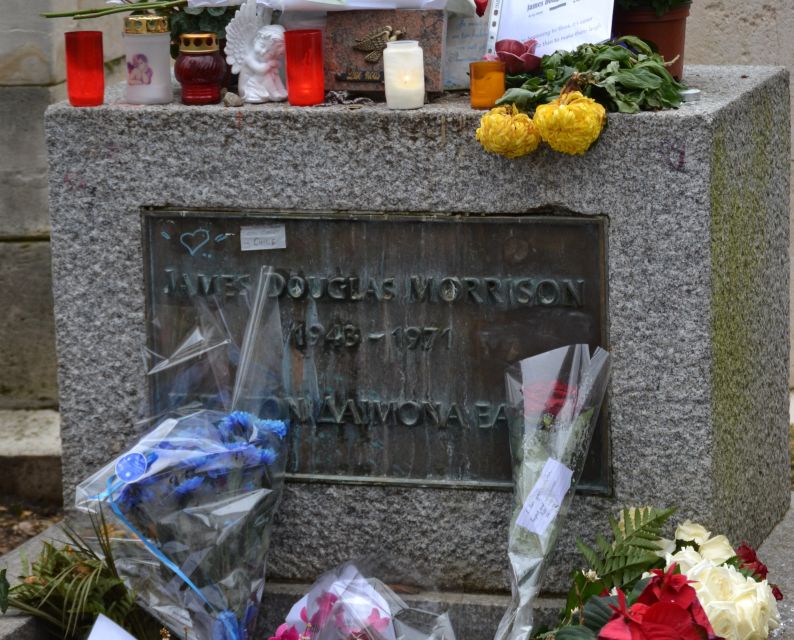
(694, 207)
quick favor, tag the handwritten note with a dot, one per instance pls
(545, 499)
(555, 24)
(261, 238)
(467, 39)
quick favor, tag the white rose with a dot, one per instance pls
(685, 559)
(689, 530)
(717, 549)
(752, 623)
(722, 616)
(715, 583)
(738, 607)
(767, 603)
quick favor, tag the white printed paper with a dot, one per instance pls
(544, 501)
(555, 24)
(263, 238)
(106, 629)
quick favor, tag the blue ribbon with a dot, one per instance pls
(226, 625)
(152, 549)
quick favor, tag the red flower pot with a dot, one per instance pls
(667, 32)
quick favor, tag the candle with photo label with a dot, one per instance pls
(147, 42)
(404, 75)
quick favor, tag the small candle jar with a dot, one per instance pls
(85, 68)
(200, 68)
(404, 74)
(487, 83)
(147, 42)
(305, 75)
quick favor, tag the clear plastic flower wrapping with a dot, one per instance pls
(189, 507)
(343, 604)
(554, 399)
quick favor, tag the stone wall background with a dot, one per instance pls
(748, 32)
(32, 76)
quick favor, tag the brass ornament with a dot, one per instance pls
(374, 43)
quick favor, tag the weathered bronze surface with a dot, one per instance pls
(399, 328)
(375, 42)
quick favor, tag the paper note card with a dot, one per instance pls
(555, 24)
(544, 501)
(260, 238)
(466, 42)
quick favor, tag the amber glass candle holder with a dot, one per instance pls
(487, 83)
(85, 68)
(305, 75)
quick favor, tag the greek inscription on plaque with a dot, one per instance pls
(397, 329)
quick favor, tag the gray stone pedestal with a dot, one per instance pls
(697, 212)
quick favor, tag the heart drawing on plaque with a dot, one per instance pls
(194, 240)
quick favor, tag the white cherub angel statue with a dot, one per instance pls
(255, 49)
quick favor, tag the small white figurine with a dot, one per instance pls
(255, 50)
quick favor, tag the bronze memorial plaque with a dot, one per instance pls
(398, 328)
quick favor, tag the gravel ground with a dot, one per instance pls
(20, 521)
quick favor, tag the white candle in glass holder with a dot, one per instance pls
(404, 74)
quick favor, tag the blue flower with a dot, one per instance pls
(194, 462)
(226, 627)
(267, 456)
(235, 425)
(134, 494)
(189, 486)
(279, 427)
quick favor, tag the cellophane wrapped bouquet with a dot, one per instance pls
(554, 400)
(190, 505)
(343, 604)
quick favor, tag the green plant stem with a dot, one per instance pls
(36, 613)
(86, 14)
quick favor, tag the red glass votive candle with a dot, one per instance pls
(85, 68)
(200, 68)
(305, 79)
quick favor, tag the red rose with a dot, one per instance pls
(750, 561)
(758, 569)
(519, 57)
(546, 396)
(480, 5)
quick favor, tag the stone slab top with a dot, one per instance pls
(719, 86)
(30, 433)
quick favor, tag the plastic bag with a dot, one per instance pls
(554, 400)
(192, 502)
(344, 605)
